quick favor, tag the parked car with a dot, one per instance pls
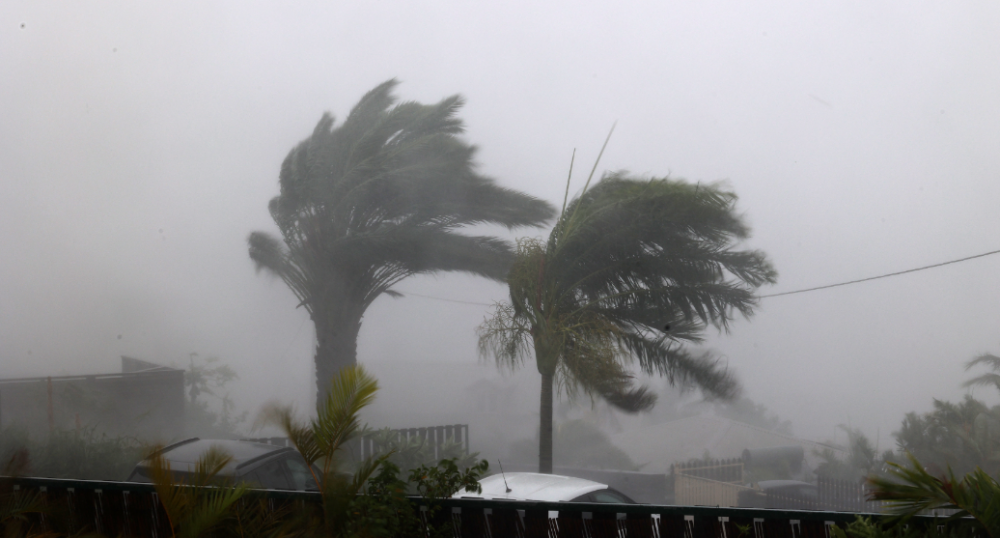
(544, 487)
(257, 464)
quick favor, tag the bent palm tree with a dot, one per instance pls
(378, 199)
(632, 269)
(990, 379)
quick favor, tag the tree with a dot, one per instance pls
(960, 436)
(632, 270)
(991, 379)
(378, 199)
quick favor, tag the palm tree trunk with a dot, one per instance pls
(336, 348)
(545, 433)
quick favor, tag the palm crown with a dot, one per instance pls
(375, 200)
(632, 269)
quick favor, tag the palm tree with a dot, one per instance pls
(912, 490)
(990, 379)
(632, 269)
(322, 441)
(378, 199)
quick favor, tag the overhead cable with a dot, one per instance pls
(887, 275)
(816, 288)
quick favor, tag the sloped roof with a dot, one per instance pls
(660, 445)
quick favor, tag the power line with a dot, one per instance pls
(445, 300)
(887, 275)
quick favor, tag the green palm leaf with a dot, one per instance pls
(632, 271)
(375, 200)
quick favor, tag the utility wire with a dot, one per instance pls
(887, 275)
(445, 300)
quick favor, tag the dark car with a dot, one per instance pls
(256, 464)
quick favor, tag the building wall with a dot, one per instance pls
(148, 404)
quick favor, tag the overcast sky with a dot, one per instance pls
(140, 143)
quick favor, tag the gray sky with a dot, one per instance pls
(140, 144)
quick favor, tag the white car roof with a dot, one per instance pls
(533, 487)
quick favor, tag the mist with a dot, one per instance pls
(140, 145)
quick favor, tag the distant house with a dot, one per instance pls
(658, 446)
(145, 400)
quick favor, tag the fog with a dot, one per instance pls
(140, 144)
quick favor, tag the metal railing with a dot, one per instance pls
(131, 509)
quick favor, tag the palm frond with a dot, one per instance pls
(350, 391)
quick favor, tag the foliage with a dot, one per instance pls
(17, 506)
(210, 378)
(862, 458)
(322, 440)
(408, 454)
(990, 379)
(962, 436)
(385, 510)
(82, 454)
(445, 479)
(632, 271)
(192, 508)
(866, 527)
(910, 490)
(579, 444)
(376, 200)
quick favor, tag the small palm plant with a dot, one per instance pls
(17, 508)
(201, 503)
(912, 490)
(321, 440)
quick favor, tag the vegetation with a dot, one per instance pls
(83, 454)
(861, 462)
(204, 381)
(963, 436)
(376, 200)
(192, 508)
(911, 490)
(633, 270)
(409, 454)
(370, 501)
(322, 443)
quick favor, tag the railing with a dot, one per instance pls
(130, 509)
(367, 444)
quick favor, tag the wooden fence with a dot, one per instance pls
(708, 483)
(434, 436)
(730, 471)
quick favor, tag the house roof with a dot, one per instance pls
(658, 446)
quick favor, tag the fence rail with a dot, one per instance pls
(132, 510)
(367, 444)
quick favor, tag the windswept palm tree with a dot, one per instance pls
(374, 201)
(632, 270)
(989, 379)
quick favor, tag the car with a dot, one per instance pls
(544, 487)
(256, 464)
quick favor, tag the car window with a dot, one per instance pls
(271, 475)
(299, 473)
(609, 496)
